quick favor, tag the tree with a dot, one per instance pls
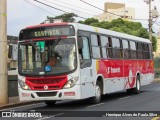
(67, 17)
(120, 25)
(154, 43)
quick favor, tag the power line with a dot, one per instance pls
(56, 8)
(157, 24)
(30, 3)
(67, 7)
(107, 11)
(75, 6)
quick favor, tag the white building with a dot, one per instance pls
(116, 8)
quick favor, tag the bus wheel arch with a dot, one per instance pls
(100, 80)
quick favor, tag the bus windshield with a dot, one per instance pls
(49, 57)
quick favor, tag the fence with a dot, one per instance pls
(157, 66)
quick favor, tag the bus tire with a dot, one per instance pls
(137, 89)
(50, 103)
(98, 94)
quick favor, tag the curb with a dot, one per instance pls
(10, 105)
(156, 80)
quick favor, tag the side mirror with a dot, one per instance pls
(80, 42)
(10, 51)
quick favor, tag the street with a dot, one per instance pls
(147, 100)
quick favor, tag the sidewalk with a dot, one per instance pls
(14, 101)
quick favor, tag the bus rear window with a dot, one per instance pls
(50, 31)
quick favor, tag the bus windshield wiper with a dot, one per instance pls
(32, 43)
(58, 40)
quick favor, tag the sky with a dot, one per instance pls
(23, 13)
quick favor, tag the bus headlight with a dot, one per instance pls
(23, 85)
(71, 83)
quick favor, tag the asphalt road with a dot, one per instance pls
(116, 104)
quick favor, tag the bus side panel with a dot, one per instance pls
(112, 71)
(130, 70)
(147, 71)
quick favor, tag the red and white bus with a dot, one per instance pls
(88, 62)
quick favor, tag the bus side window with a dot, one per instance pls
(95, 43)
(139, 50)
(117, 51)
(133, 50)
(110, 53)
(126, 51)
(104, 46)
(84, 53)
(146, 52)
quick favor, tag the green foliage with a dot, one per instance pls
(89, 21)
(120, 25)
(67, 17)
(154, 43)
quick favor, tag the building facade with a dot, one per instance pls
(12, 41)
(114, 11)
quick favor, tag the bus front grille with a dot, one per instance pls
(46, 94)
(40, 83)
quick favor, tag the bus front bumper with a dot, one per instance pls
(63, 94)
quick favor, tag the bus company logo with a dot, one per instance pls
(113, 70)
(46, 87)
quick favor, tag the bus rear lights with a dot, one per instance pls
(69, 93)
(71, 83)
(23, 85)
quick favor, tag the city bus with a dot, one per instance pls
(87, 62)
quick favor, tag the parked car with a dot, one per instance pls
(12, 71)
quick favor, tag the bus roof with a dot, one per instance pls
(109, 32)
(83, 27)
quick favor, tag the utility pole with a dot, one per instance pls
(3, 53)
(152, 14)
(150, 21)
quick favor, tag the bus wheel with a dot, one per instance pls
(98, 94)
(50, 103)
(137, 89)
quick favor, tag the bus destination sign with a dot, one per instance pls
(51, 31)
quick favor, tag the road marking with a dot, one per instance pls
(50, 116)
(59, 114)
(155, 118)
(124, 97)
(43, 118)
(94, 105)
